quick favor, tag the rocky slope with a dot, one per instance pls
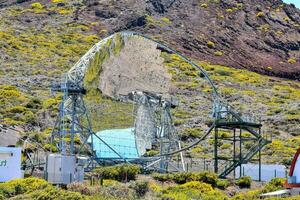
(261, 36)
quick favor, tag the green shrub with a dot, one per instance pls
(165, 19)
(50, 147)
(50, 103)
(37, 5)
(181, 178)
(151, 153)
(239, 5)
(8, 91)
(34, 188)
(274, 184)
(204, 5)
(53, 193)
(208, 177)
(244, 182)
(182, 114)
(57, 1)
(249, 195)
(218, 53)
(21, 186)
(140, 187)
(223, 72)
(210, 44)
(222, 184)
(161, 177)
(190, 133)
(260, 14)
(202, 187)
(178, 122)
(287, 19)
(192, 190)
(16, 109)
(125, 172)
(184, 177)
(34, 103)
(292, 60)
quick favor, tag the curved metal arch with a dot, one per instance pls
(77, 72)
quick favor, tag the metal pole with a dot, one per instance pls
(63, 115)
(72, 134)
(240, 157)
(90, 132)
(187, 167)
(61, 126)
(216, 150)
(234, 149)
(259, 160)
(57, 123)
(161, 164)
(181, 157)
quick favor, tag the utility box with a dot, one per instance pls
(63, 170)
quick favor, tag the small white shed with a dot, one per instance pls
(10, 163)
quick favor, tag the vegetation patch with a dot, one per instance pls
(125, 172)
(260, 14)
(33, 188)
(218, 53)
(244, 182)
(17, 108)
(292, 60)
(204, 5)
(192, 190)
(184, 177)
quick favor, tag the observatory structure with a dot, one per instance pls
(153, 121)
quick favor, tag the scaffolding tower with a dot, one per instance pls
(69, 123)
(73, 124)
(243, 133)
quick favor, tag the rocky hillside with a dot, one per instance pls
(261, 36)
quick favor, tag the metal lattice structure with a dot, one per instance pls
(72, 110)
(243, 130)
(73, 123)
(157, 132)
